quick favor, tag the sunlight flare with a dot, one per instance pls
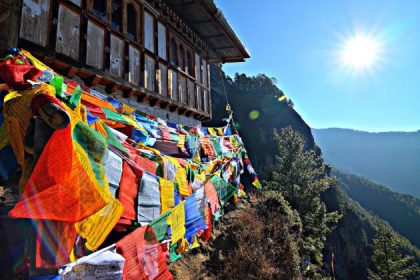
(360, 52)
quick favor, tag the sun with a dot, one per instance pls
(360, 52)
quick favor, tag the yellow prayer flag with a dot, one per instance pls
(180, 176)
(38, 64)
(176, 220)
(181, 179)
(212, 131)
(126, 109)
(195, 243)
(283, 97)
(220, 131)
(201, 176)
(181, 141)
(97, 227)
(11, 95)
(133, 123)
(167, 199)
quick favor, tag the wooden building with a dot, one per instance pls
(155, 51)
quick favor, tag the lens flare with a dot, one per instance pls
(254, 114)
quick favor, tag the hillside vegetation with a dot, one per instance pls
(400, 210)
(256, 94)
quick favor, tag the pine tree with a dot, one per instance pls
(389, 263)
(299, 176)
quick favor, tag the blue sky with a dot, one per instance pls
(300, 42)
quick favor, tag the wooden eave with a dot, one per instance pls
(207, 20)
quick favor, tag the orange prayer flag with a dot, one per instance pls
(54, 242)
(59, 188)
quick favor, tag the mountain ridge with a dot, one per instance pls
(377, 198)
(389, 158)
(365, 131)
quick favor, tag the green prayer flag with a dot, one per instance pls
(57, 83)
(160, 226)
(75, 97)
(112, 140)
(173, 256)
(114, 116)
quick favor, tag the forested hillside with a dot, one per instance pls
(401, 211)
(352, 240)
(257, 111)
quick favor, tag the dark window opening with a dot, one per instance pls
(188, 63)
(99, 8)
(116, 14)
(173, 47)
(181, 62)
(131, 22)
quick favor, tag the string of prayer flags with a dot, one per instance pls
(116, 169)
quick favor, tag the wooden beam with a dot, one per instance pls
(127, 92)
(199, 22)
(214, 36)
(224, 47)
(163, 104)
(71, 72)
(92, 81)
(152, 100)
(183, 5)
(188, 113)
(172, 107)
(181, 110)
(111, 88)
(141, 97)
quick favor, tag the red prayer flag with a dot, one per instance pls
(144, 256)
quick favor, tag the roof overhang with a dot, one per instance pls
(208, 21)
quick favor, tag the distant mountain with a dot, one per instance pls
(401, 211)
(390, 158)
